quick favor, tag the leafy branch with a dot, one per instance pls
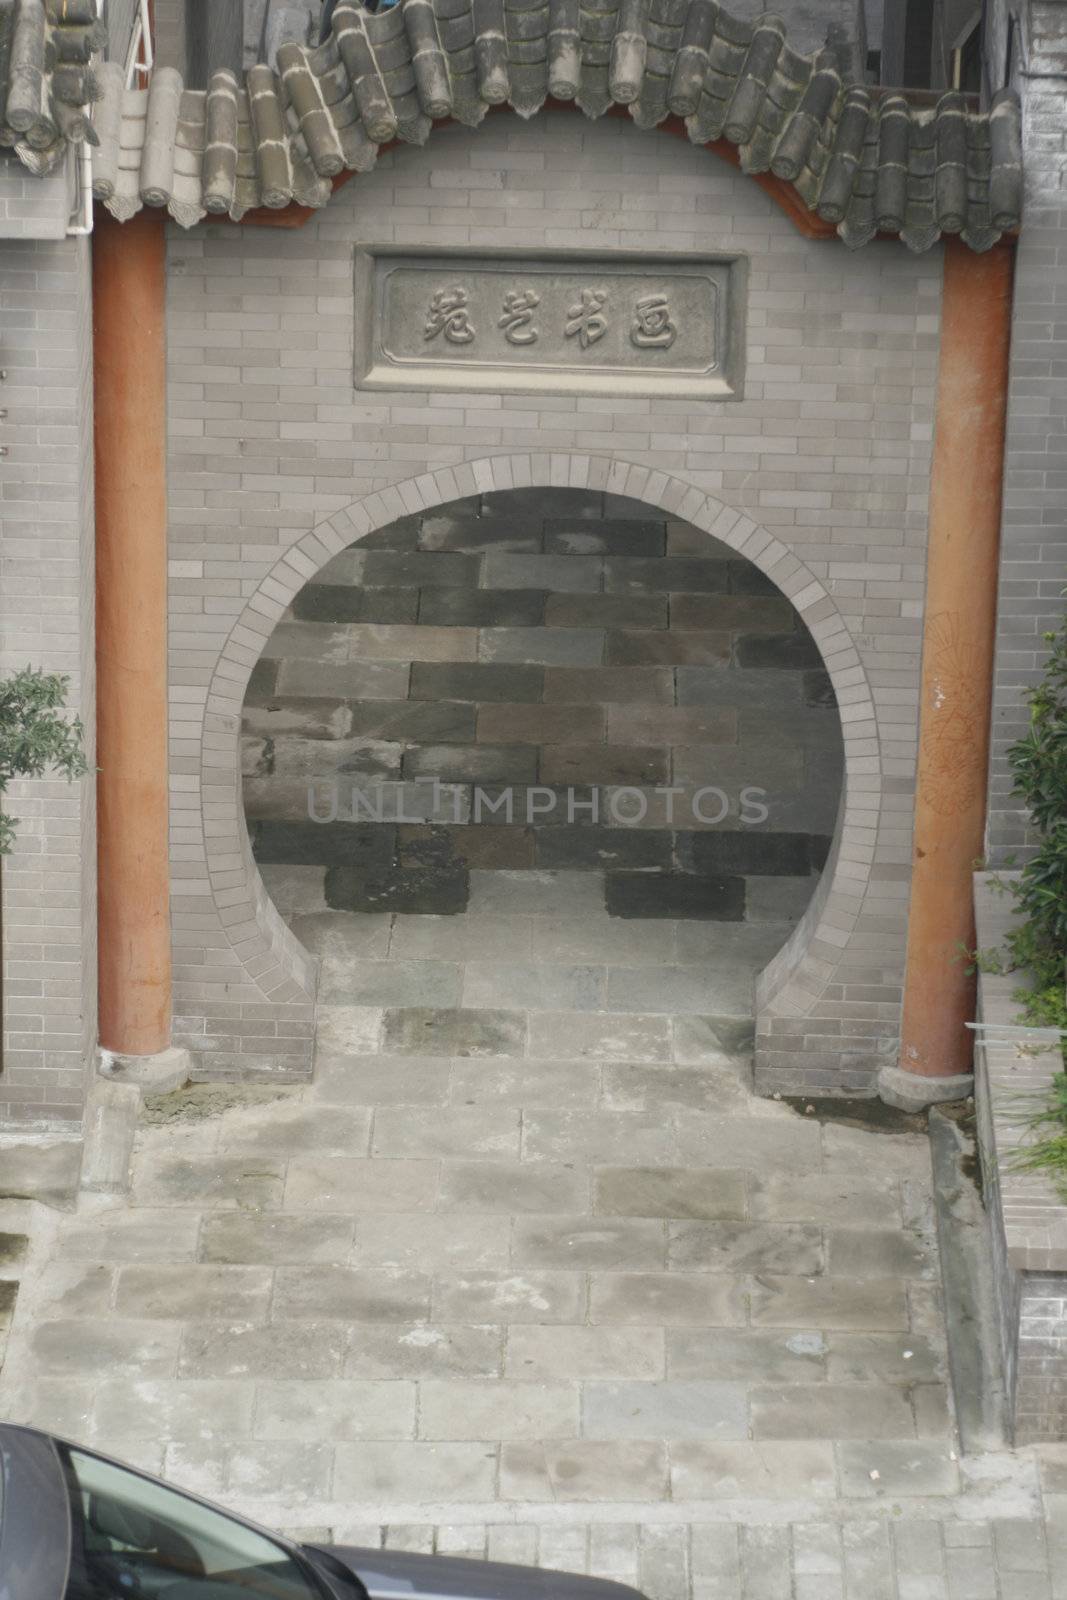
(35, 737)
(1038, 943)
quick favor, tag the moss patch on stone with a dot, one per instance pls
(12, 1248)
(195, 1102)
(855, 1112)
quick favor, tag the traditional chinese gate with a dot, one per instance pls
(811, 456)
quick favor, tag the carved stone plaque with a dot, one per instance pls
(571, 323)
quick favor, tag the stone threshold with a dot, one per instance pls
(1011, 1496)
(848, 1482)
(1014, 1068)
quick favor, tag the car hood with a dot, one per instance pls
(394, 1574)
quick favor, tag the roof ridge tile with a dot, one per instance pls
(864, 160)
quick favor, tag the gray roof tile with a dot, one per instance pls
(865, 161)
(47, 78)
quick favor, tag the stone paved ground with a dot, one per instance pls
(527, 1271)
(901, 1557)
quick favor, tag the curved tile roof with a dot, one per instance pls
(47, 78)
(863, 160)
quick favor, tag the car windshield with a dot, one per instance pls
(136, 1538)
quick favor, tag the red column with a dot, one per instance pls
(131, 632)
(957, 663)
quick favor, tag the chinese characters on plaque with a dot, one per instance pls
(587, 319)
(448, 314)
(573, 322)
(517, 321)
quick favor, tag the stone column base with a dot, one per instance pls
(113, 1106)
(155, 1074)
(911, 1091)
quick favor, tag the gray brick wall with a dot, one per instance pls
(46, 619)
(819, 475)
(1033, 576)
(1033, 570)
(34, 208)
(168, 36)
(1040, 1395)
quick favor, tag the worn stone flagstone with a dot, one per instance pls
(494, 1182)
(519, 1280)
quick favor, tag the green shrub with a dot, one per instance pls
(1038, 943)
(1039, 761)
(1048, 1150)
(34, 737)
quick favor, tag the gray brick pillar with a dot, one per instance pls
(1033, 570)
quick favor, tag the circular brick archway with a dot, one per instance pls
(270, 955)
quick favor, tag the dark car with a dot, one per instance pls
(75, 1525)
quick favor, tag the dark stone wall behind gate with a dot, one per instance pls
(571, 649)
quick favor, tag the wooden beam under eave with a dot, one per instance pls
(784, 195)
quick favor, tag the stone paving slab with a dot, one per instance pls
(40, 1168)
(525, 1279)
(515, 1196)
